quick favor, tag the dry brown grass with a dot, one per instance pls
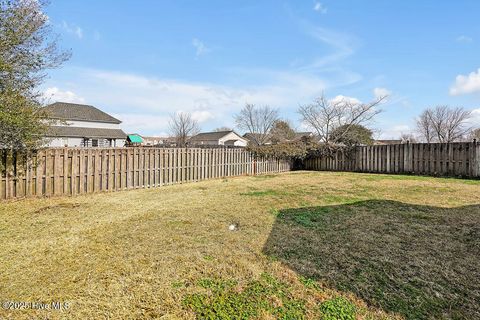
(138, 254)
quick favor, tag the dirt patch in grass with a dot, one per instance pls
(420, 261)
(58, 206)
(263, 193)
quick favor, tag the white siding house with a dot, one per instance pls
(220, 138)
(79, 125)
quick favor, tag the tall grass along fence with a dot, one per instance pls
(71, 171)
(459, 159)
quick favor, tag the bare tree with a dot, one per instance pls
(425, 127)
(182, 126)
(443, 124)
(258, 121)
(324, 116)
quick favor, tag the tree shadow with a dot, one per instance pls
(422, 262)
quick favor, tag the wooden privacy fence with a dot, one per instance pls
(71, 171)
(442, 159)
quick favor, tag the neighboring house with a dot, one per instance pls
(80, 125)
(159, 141)
(253, 138)
(220, 138)
(151, 141)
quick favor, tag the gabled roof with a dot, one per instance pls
(254, 137)
(212, 136)
(80, 112)
(80, 132)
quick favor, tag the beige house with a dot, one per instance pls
(220, 138)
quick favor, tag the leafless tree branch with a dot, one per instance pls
(182, 126)
(258, 121)
(324, 116)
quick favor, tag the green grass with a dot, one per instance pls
(418, 261)
(225, 300)
(310, 245)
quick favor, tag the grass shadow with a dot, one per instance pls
(422, 262)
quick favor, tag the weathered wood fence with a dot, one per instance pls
(439, 159)
(71, 171)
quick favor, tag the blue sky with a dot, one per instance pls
(144, 60)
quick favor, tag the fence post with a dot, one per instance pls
(476, 158)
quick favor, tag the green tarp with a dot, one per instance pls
(133, 138)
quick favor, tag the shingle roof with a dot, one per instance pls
(210, 136)
(80, 132)
(82, 112)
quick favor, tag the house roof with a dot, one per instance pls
(80, 132)
(80, 112)
(212, 136)
(253, 137)
(135, 138)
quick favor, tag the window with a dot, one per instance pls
(94, 143)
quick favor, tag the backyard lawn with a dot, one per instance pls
(309, 245)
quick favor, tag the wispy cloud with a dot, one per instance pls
(342, 45)
(381, 92)
(319, 7)
(72, 29)
(464, 39)
(200, 47)
(465, 84)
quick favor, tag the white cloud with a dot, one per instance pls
(395, 132)
(320, 8)
(202, 116)
(147, 100)
(53, 94)
(381, 92)
(166, 95)
(464, 39)
(474, 121)
(200, 47)
(73, 29)
(466, 84)
(144, 123)
(342, 98)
